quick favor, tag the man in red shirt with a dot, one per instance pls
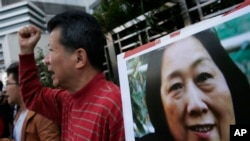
(87, 106)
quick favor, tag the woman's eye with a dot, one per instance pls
(203, 77)
(175, 87)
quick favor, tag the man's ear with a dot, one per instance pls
(81, 57)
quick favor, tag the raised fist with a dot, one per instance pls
(28, 37)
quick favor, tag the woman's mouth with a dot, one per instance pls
(202, 131)
(202, 128)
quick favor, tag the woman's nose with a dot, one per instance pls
(196, 104)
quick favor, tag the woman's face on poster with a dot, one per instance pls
(195, 96)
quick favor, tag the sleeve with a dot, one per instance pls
(46, 101)
(47, 130)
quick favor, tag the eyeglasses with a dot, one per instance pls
(2, 93)
(8, 83)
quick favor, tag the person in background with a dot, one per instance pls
(28, 125)
(6, 115)
(87, 106)
(197, 95)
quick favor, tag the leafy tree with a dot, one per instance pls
(45, 75)
(113, 13)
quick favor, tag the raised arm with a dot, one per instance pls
(35, 96)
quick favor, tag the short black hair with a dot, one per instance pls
(81, 30)
(13, 69)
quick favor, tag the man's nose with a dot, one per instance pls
(46, 59)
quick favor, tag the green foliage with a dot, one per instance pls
(45, 75)
(137, 85)
(110, 14)
(113, 13)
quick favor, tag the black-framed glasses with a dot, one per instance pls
(8, 83)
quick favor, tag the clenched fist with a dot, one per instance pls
(28, 38)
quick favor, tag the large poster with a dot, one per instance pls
(190, 85)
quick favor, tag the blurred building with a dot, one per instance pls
(14, 14)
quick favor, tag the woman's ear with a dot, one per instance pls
(81, 57)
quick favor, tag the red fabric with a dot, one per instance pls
(93, 113)
(243, 4)
(1, 126)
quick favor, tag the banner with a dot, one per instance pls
(190, 85)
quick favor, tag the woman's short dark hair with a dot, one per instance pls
(81, 30)
(236, 81)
